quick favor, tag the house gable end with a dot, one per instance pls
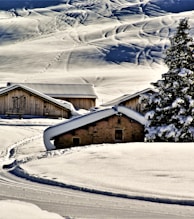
(82, 96)
(92, 118)
(112, 129)
(22, 100)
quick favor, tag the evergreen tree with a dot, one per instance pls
(170, 110)
(180, 53)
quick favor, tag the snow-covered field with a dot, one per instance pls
(18, 210)
(116, 45)
(139, 169)
(161, 172)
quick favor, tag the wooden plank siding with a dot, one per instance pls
(82, 96)
(132, 101)
(82, 103)
(133, 104)
(20, 101)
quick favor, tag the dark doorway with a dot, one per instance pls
(118, 135)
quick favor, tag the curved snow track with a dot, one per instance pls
(76, 202)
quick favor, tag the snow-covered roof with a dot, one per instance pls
(126, 97)
(77, 122)
(66, 105)
(62, 90)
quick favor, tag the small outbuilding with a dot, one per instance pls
(19, 100)
(131, 101)
(82, 96)
(109, 125)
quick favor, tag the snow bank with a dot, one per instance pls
(23, 132)
(22, 210)
(157, 171)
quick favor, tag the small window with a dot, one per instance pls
(118, 135)
(76, 141)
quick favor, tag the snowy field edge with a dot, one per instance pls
(19, 172)
(26, 169)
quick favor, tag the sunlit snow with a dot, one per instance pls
(115, 45)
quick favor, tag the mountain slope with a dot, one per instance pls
(105, 42)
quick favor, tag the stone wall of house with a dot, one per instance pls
(114, 129)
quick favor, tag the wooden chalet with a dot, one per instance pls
(131, 101)
(109, 125)
(82, 96)
(19, 100)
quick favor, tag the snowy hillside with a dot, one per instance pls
(118, 46)
(103, 42)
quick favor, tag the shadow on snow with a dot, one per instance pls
(133, 54)
(28, 4)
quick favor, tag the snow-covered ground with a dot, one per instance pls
(116, 45)
(22, 210)
(140, 169)
(160, 172)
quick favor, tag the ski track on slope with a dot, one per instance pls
(81, 38)
(10, 153)
(62, 58)
(143, 33)
(112, 35)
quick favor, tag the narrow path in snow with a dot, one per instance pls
(22, 133)
(9, 155)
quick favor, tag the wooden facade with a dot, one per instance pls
(131, 101)
(133, 104)
(81, 96)
(81, 103)
(18, 100)
(114, 129)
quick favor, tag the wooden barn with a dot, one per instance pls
(110, 125)
(19, 100)
(130, 100)
(82, 96)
